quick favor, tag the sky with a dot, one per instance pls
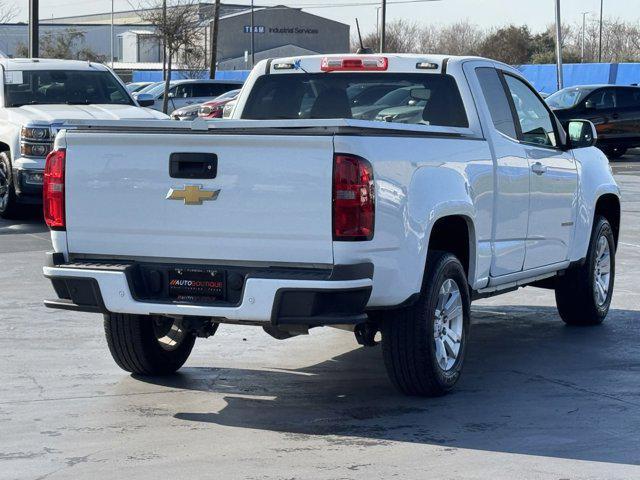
(537, 14)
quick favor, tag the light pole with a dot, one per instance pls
(253, 60)
(34, 32)
(112, 34)
(584, 23)
(378, 20)
(559, 45)
(600, 41)
(383, 25)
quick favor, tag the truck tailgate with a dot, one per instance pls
(273, 205)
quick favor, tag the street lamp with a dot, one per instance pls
(600, 41)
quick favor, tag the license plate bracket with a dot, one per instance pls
(197, 285)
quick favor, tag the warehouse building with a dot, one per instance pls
(278, 31)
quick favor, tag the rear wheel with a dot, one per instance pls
(9, 207)
(424, 345)
(583, 295)
(147, 345)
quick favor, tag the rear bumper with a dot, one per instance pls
(278, 297)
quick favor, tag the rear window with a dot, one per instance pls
(427, 99)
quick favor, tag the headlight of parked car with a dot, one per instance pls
(35, 141)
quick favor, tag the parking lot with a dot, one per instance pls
(537, 397)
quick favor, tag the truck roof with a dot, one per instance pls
(397, 62)
(49, 64)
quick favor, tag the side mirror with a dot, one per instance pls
(145, 99)
(581, 134)
(589, 104)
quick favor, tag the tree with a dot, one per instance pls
(68, 44)
(8, 11)
(401, 36)
(460, 38)
(179, 29)
(509, 44)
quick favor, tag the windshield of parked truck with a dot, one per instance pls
(567, 97)
(71, 87)
(426, 99)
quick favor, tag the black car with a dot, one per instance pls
(614, 110)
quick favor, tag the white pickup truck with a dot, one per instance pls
(36, 97)
(375, 193)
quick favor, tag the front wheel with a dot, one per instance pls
(147, 345)
(583, 295)
(8, 204)
(424, 345)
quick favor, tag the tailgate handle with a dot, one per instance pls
(193, 165)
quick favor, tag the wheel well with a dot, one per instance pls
(4, 147)
(451, 234)
(608, 206)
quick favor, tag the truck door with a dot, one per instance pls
(511, 197)
(553, 178)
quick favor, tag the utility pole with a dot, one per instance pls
(600, 41)
(253, 58)
(559, 45)
(213, 39)
(112, 57)
(34, 30)
(584, 28)
(383, 25)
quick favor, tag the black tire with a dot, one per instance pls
(135, 346)
(614, 153)
(9, 207)
(409, 340)
(576, 291)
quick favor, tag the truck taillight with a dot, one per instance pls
(53, 190)
(353, 198)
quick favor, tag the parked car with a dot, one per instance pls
(190, 92)
(215, 107)
(614, 110)
(39, 96)
(185, 114)
(290, 223)
(134, 87)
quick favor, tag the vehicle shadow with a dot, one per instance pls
(531, 386)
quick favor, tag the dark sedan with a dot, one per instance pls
(614, 110)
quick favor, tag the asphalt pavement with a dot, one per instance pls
(538, 399)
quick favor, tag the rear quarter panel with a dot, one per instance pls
(418, 181)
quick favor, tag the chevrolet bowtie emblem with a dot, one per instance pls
(192, 194)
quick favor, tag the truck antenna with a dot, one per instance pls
(362, 49)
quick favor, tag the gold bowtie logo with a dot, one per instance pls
(192, 194)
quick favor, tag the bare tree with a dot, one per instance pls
(179, 29)
(400, 37)
(460, 38)
(8, 11)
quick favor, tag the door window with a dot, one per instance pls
(183, 91)
(628, 98)
(604, 99)
(536, 124)
(497, 101)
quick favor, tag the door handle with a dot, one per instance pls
(538, 168)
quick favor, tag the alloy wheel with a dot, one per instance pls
(448, 324)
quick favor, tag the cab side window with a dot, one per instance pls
(497, 101)
(183, 91)
(536, 124)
